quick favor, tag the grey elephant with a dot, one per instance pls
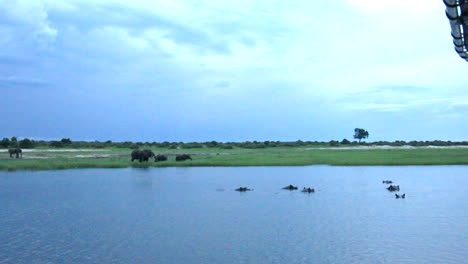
(183, 157)
(142, 155)
(160, 157)
(17, 151)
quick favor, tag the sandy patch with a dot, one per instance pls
(199, 154)
(36, 157)
(31, 155)
(392, 147)
(59, 150)
(98, 156)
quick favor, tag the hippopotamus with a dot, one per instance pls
(400, 196)
(243, 189)
(387, 182)
(308, 190)
(393, 188)
(290, 187)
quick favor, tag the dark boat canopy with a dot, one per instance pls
(457, 13)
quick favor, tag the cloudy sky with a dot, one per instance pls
(157, 70)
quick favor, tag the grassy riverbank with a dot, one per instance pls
(292, 156)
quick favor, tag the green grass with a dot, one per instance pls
(287, 156)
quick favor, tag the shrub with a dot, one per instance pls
(252, 145)
(345, 142)
(134, 146)
(56, 144)
(66, 141)
(26, 143)
(5, 142)
(398, 143)
(212, 144)
(192, 145)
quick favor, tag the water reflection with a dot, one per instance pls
(143, 178)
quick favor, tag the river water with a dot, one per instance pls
(193, 215)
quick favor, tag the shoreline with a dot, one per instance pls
(294, 156)
(57, 150)
(225, 166)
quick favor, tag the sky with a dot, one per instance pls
(160, 70)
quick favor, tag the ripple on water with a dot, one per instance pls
(181, 216)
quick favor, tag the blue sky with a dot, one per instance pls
(230, 70)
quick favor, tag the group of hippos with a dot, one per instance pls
(146, 154)
(15, 151)
(394, 188)
(289, 187)
(391, 188)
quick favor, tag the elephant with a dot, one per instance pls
(136, 154)
(400, 196)
(308, 190)
(243, 189)
(183, 157)
(160, 157)
(393, 188)
(290, 187)
(142, 155)
(17, 151)
(387, 182)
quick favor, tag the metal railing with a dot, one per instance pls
(457, 13)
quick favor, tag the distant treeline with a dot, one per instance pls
(68, 143)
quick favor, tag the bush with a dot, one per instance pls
(398, 143)
(334, 143)
(66, 141)
(134, 146)
(26, 143)
(212, 144)
(5, 143)
(251, 145)
(56, 144)
(97, 144)
(191, 145)
(345, 142)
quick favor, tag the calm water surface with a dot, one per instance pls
(192, 215)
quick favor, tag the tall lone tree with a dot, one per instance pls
(360, 133)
